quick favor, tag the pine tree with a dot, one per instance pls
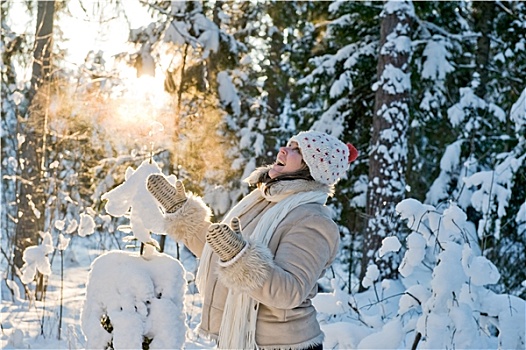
(486, 81)
(201, 74)
(336, 63)
(437, 71)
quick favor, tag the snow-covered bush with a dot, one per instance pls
(36, 259)
(455, 309)
(135, 302)
(132, 199)
(442, 299)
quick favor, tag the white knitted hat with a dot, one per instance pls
(327, 157)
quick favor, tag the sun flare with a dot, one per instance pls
(143, 98)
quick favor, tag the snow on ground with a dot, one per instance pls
(35, 325)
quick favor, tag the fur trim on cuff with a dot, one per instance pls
(193, 217)
(251, 270)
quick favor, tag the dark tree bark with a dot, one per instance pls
(30, 201)
(483, 15)
(388, 156)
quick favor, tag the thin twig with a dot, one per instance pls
(416, 341)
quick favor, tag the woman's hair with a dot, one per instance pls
(303, 173)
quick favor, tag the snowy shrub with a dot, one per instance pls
(441, 300)
(36, 258)
(132, 199)
(448, 282)
(134, 302)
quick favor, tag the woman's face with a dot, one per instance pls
(289, 160)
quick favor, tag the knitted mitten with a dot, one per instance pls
(169, 197)
(226, 240)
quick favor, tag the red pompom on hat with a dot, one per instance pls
(327, 157)
(353, 152)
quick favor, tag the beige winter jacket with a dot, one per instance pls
(304, 244)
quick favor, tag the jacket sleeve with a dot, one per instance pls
(284, 280)
(189, 224)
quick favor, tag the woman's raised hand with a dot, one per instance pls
(226, 240)
(169, 197)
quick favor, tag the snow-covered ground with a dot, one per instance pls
(35, 324)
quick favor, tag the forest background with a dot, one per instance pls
(432, 94)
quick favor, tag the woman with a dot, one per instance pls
(259, 268)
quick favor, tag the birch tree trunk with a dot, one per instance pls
(30, 199)
(388, 156)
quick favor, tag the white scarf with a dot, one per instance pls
(238, 324)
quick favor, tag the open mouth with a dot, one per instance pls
(280, 163)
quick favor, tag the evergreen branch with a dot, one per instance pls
(433, 27)
(190, 39)
(505, 9)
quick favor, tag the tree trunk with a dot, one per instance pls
(43, 45)
(388, 156)
(276, 83)
(483, 14)
(13, 45)
(30, 199)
